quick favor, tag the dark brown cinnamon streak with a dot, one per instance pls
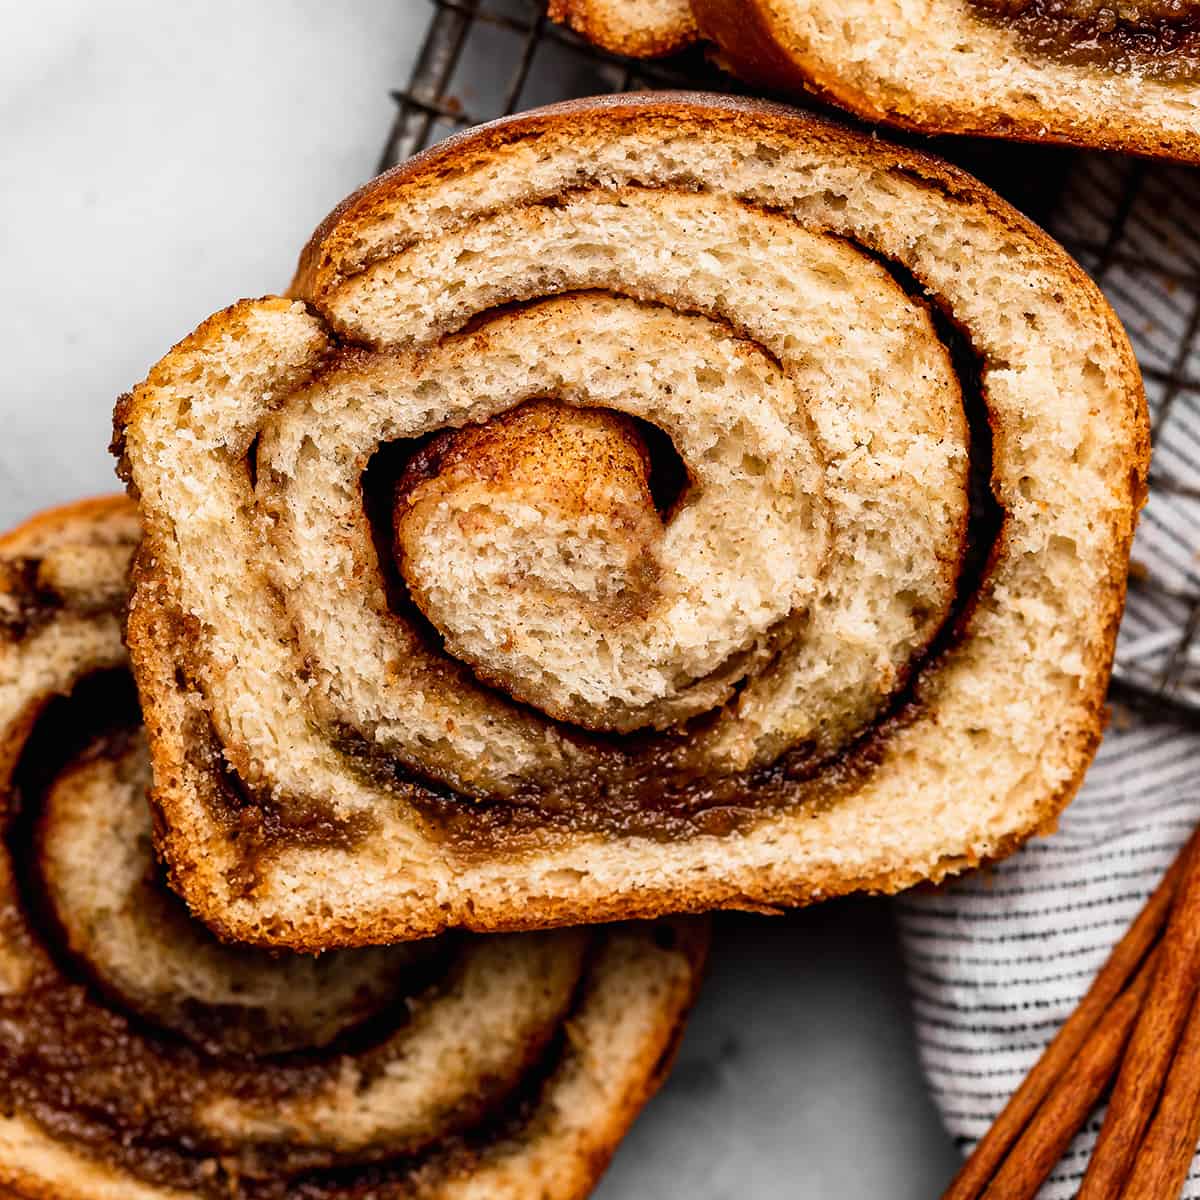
(141, 1057)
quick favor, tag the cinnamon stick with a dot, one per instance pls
(1060, 1054)
(1161, 1167)
(1152, 1043)
(1063, 1112)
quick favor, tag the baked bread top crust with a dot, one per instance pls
(1123, 77)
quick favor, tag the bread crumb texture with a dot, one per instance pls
(861, 640)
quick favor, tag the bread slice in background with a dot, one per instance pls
(641, 29)
(1003, 722)
(934, 66)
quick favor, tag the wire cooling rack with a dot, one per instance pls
(1133, 225)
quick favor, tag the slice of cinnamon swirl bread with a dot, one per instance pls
(640, 505)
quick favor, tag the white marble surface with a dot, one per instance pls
(158, 161)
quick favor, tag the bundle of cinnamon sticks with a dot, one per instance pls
(1140, 1023)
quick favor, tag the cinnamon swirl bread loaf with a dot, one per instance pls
(140, 1058)
(1087, 72)
(640, 505)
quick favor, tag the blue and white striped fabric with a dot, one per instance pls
(998, 960)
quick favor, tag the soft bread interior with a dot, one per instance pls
(1003, 728)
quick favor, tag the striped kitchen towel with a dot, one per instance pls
(998, 960)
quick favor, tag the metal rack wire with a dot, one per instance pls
(1134, 226)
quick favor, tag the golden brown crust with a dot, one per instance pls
(334, 254)
(614, 31)
(752, 46)
(331, 253)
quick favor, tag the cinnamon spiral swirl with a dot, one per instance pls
(640, 505)
(140, 1057)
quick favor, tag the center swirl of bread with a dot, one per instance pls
(810, 559)
(534, 545)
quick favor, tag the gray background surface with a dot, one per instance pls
(157, 162)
